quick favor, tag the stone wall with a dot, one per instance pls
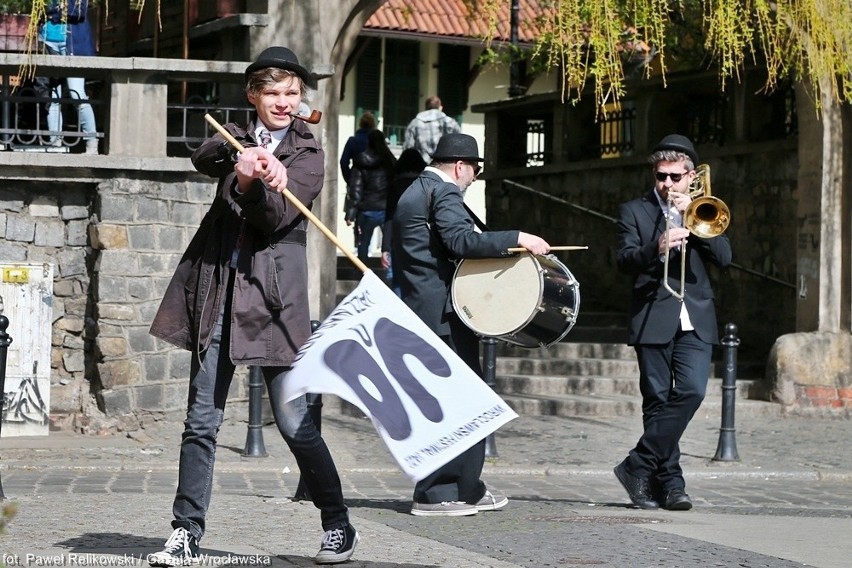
(114, 244)
(142, 229)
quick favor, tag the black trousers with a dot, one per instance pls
(673, 381)
(458, 480)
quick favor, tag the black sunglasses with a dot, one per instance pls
(661, 176)
(476, 168)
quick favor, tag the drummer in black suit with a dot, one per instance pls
(431, 230)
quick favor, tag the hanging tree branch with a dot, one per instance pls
(594, 40)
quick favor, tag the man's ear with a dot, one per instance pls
(252, 98)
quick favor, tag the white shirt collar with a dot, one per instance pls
(441, 174)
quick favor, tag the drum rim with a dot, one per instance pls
(576, 308)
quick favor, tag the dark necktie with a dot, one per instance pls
(265, 138)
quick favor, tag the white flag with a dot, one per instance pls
(425, 402)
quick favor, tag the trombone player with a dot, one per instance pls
(672, 323)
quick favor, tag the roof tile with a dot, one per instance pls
(450, 18)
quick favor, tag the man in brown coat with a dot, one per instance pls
(240, 296)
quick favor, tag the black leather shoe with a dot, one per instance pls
(637, 488)
(677, 500)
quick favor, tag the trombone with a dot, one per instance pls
(707, 216)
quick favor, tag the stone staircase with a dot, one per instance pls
(597, 380)
(592, 373)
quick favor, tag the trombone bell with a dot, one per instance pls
(707, 217)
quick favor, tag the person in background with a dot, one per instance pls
(673, 338)
(431, 230)
(240, 296)
(68, 34)
(369, 182)
(427, 128)
(409, 165)
(355, 144)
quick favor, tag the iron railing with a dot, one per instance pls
(23, 120)
(617, 132)
(24, 127)
(612, 219)
(190, 128)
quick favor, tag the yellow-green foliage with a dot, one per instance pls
(6, 513)
(806, 40)
(38, 10)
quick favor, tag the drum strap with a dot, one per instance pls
(482, 227)
(476, 220)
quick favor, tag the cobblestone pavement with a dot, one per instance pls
(103, 501)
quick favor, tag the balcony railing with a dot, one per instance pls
(189, 126)
(24, 122)
(144, 107)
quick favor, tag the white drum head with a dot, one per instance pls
(497, 296)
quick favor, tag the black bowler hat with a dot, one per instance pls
(282, 58)
(678, 143)
(457, 146)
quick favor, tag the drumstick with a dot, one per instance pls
(565, 247)
(295, 201)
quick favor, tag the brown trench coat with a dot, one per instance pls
(270, 317)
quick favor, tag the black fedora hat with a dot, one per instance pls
(282, 58)
(457, 146)
(678, 143)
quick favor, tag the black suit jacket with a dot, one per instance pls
(654, 311)
(431, 230)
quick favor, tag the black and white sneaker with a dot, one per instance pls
(337, 545)
(180, 550)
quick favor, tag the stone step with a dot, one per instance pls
(544, 385)
(608, 351)
(602, 406)
(577, 350)
(568, 366)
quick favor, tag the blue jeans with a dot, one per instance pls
(367, 222)
(210, 379)
(76, 90)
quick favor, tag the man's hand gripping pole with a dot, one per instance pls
(294, 200)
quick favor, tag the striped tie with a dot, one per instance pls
(265, 138)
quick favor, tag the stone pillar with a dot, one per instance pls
(823, 290)
(322, 39)
(811, 369)
(831, 231)
(135, 100)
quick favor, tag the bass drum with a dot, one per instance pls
(526, 300)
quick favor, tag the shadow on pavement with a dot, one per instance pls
(302, 561)
(396, 505)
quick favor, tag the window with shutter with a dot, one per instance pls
(368, 80)
(453, 70)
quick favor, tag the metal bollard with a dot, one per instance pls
(5, 341)
(314, 401)
(489, 371)
(254, 437)
(727, 448)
